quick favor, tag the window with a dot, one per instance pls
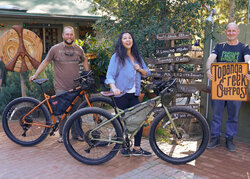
(49, 34)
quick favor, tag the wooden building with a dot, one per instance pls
(47, 18)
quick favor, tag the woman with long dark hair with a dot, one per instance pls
(124, 78)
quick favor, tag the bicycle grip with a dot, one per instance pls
(168, 87)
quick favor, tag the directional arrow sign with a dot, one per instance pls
(173, 36)
(180, 49)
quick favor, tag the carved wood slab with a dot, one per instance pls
(20, 49)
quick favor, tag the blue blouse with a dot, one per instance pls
(124, 76)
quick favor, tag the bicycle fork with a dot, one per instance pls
(172, 122)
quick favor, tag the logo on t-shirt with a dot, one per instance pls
(230, 56)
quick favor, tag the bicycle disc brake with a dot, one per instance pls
(172, 131)
(25, 126)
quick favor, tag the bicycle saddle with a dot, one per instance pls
(40, 81)
(107, 93)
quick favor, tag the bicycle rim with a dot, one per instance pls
(25, 134)
(97, 146)
(100, 102)
(192, 140)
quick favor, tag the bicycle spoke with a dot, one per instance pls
(100, 144)
(22, 131)
(184, 139)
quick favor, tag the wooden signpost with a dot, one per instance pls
(177, 59)
(229, 81)
(167, 63)
(193, 75)
(173, 36)
(179, 49)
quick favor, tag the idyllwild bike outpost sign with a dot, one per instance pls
(229, 81)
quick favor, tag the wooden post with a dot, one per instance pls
(23, 86)
(172, 41)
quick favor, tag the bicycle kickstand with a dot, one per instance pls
(54, 128)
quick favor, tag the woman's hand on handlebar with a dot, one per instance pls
(115, 90)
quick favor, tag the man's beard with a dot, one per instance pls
(68, 42)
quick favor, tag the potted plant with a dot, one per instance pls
(146, 88)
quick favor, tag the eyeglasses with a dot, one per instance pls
(69, 53)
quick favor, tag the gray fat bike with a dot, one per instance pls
(177, 134)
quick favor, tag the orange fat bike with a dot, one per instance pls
(28, 121)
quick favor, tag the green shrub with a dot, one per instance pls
(104, 49)
(12, 89)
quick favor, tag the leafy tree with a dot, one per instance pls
(103, 49)
(229, 11)
(147, 18)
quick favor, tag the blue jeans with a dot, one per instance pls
(233, 109)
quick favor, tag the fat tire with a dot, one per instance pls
(183, 160)
(6, 126)
(75, 116)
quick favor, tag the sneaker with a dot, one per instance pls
(230, 145)
(214, 141)
(141, 152)
(60, 140)
(125, 152)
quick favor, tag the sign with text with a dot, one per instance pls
(160, 73)
(229, 81)
(174, 59)
(174, 36)
(170, 50)
(166, 60)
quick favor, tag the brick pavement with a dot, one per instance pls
(50, 159)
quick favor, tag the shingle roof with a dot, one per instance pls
(48, 8)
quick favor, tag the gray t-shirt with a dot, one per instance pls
(66, 64)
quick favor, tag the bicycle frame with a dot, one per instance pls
(120, 113)
(46, 100)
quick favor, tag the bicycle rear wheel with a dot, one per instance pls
(98, 145)
(100, 102)
(193, 139)
(25, 133)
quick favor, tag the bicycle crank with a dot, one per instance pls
(94, 143)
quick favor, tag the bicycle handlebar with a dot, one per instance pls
(168, 87)
(83, 76)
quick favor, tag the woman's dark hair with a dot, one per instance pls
(121, 51)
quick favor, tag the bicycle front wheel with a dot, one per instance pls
(185, 145)
(99, 145)
(31, 130)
